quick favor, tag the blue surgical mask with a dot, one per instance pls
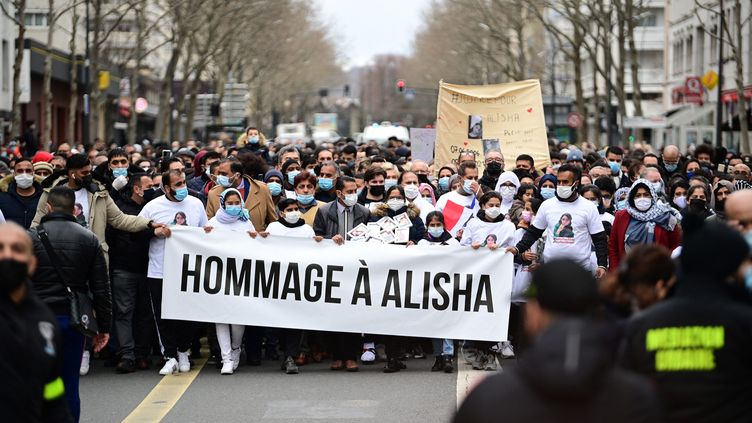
(548, 192)
(466, 186)
(615, 167)
(224, 181)
(388, 183)
(234, 210)
(275, 188)
(621, 205)
(690, 175)
(181, 193)
(326, 183)
(120, 172)
(305, 198)
(436, 232)
(444, 183)
(253, 139)
(671, 167)
(291, 176)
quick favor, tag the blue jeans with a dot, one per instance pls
(73, 350)
(443, 347)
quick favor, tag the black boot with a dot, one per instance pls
(438, 365)
(448, 365)
(393, 366)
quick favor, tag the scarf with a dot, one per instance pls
(641, 227)
(222, 215)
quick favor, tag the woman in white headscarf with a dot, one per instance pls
(507, 187)
(231, 216)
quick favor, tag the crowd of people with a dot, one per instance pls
(622, 257)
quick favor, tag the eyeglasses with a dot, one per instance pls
(495, 161)
(118, 162)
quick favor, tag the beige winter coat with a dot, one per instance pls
(102, 212)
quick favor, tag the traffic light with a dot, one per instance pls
(401, 85)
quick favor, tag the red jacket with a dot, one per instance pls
(670, 240)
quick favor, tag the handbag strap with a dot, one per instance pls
(52, 255)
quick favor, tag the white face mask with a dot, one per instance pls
(411, 191)
(643, 204)
(493, 212)
(395, 204)
(293, 216)
(507, 193)
(564, 192)
(350, 200)
(24, 180)
(680, 201)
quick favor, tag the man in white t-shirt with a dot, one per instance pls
(174, 208)
(573, 224)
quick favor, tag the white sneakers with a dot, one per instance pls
(84, 370)
(235, 354)
(183, 363)
(507, 351)
(227, 367)
(170, 367)
(369, 353)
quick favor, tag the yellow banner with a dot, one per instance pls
(480, 118)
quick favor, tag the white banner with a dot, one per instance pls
(432, 292)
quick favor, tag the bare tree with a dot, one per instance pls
(18, 18)
(733, 40)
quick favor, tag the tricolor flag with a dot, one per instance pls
(456, 216)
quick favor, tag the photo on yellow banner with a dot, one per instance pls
(481, 118)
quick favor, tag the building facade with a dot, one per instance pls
(692, 53)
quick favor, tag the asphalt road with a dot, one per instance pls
(266, 394)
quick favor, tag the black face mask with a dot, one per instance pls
(14, 274)
(84, 182)
(697, 204)
(494, 168)
(149, 194)
(423, 179)
(376, 190)
(720, 205)
(189, 171)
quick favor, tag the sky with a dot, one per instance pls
(365, 28)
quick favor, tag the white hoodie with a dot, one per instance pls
(504, 178)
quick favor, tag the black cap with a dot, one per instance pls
(711, 248)
(563, 286)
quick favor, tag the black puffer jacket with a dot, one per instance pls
(83, 265)
(566, 376)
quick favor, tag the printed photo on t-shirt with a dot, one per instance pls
(490, 239)
(78, 213)
(180, 219)
(564, 231)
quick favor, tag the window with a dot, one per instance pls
(690, 56)
(700, 56)
(35, 19)
(676, 57)
(647, 19)
(714, 44)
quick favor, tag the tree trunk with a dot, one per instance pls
(595, 103)
(17, 128)
(70, 135)
(741, 101)
(582, 131)
(166, 93)
(136, 79)
(621, 93)
(634, 65)
(46, 140)
(190, 112)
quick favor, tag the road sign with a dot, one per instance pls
(710, 80)
(693, 90)
(574, 120)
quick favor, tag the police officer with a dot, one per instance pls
(31, 356)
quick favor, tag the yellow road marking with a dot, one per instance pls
(165, 395)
